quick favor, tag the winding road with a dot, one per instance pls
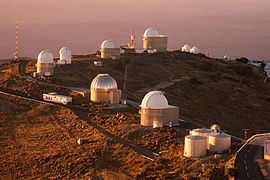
(246, 158)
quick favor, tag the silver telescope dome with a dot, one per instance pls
(103, 82)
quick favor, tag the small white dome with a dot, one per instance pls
(195, 50)
(107, 44)
(151, 32)
(45, 57)
(154, 100)
(186, 48)
(65, 51)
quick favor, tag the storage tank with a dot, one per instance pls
(219, 142)
(155, 110)
(108, 50)
(195, 146)
(185, 48)
(104, 89)
(45, 63)
(201, 132)
(194, 50)
(152, 40)
(65, 55)
(267, 149)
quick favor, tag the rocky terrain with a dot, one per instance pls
(39, 140)
(207, 91)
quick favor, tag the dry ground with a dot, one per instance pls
(40, 141)
(213, 91)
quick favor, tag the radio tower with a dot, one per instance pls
(17, 41)
(132, 37)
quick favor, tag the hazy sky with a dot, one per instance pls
(234, 27)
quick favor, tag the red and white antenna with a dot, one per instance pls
(132, 37)
(17, 41)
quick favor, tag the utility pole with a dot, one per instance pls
(125, 75)
(246, 133)
(17, 41)
(125, 78)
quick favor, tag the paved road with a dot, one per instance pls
(246, 159)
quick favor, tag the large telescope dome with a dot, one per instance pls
(150, 32)
(107, 44)
(154, 100)
(103, 82)
(45, 57)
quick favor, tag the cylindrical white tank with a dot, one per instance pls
(201, 132)
(267, 149)
(195, 146)
(219, 142)
(194, 50)
(186, 48)
(65, 55)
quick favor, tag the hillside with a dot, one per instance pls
(208, 91)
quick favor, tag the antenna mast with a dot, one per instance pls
(132, 37)
(17, 41)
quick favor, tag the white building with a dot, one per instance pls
(108, 50)
(194, 50)
(185, 48)
(155, 110)
(45, 63)
(104, 89)
(53, 97)
(65, 56)
(152, 40)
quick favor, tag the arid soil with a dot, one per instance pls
(212, 91)
(39, 140)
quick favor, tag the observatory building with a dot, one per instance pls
(65, 56)
(195, 146)
(185, 48)
(267, 149)
(156, 112)
(219, 142)
(108, 50)
(152, 40)
(194, 50)
(104, 89)
(45, 63)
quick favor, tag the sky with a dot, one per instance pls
(239, 28)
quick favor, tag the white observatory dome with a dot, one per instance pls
(45, 57)
(103, 82)
(154, 100)
(107, 44)
(195, 50)
(151, 32)
(65, 51)
(186, 48)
